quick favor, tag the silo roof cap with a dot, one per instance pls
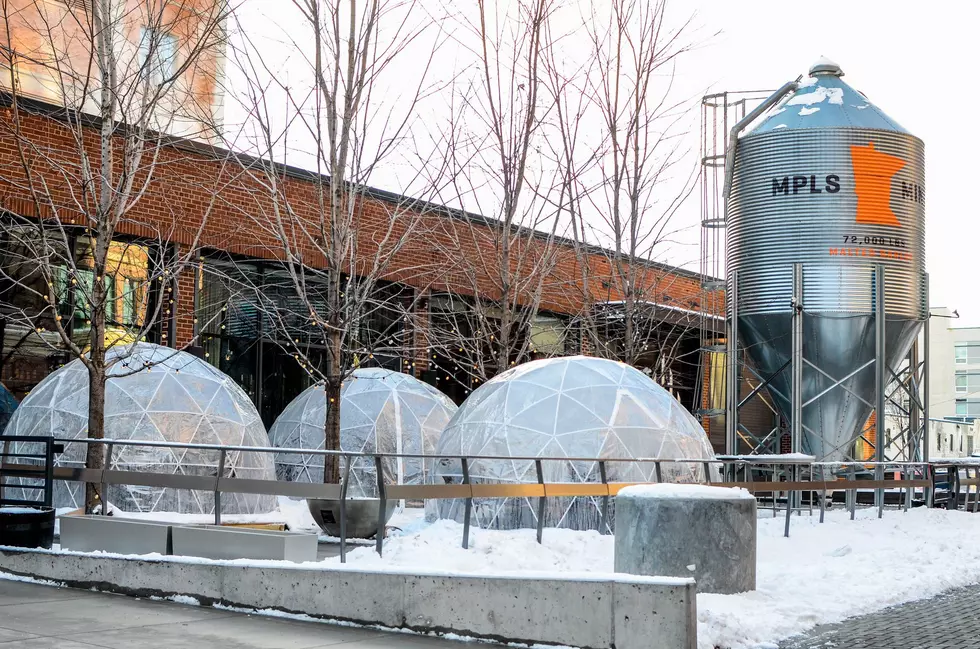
(824, 100)
(825, 66)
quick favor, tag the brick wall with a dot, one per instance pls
(199, 195)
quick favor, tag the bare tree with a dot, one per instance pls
(341, 243)
(504, 251)
(626, 189)
(92, 162)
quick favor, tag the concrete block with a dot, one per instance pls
(708, 533)
(607, 611)
(216, 542)
(113, 534)
(363, 597)
(556, 611)
(664, 617)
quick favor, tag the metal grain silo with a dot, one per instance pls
(825, 226)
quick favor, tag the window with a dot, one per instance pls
(548, 336)
(968, 407)
(967, 353)
(157, 55)
(967, 382)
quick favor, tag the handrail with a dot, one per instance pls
(719, 459)
(914, 475)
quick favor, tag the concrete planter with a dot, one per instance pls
(112, 534)
(708, 533)
(214, 542)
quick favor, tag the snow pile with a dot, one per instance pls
(818, 95)
(825, 573)
(439, 547)
(21, 510)
(686, 491)
(822, 573)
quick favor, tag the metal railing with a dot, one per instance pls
(40, 471)
(791, 480)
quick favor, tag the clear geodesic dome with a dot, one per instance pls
(380, 411)
(154, 394)
(573, 407)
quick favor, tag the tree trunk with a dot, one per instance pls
(331, 428)
(95, 455)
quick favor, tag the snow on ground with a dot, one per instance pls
(822, 573)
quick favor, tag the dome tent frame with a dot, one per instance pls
(569, 407)
(174, 396)
(382, 411)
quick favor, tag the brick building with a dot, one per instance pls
(201, 203)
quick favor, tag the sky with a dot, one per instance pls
(907, 57)
(914, 60)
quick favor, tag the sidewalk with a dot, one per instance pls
(46, 617)
(948, 621)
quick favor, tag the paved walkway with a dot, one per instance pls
(46, 617)
(944, 622)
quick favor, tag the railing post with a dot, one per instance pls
(954, 486)
(881, 499)
(540, 472)
(104, 487)
(775, 494)
(217, 490)
(468, 505)
(48, 472)
(853, 491)
(343, 508)
(382, 505)
(908, 474)
(604, 523)
(931, 477)
(660, 474)
(789, 498)
(823, 491)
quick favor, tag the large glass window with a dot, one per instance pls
(256, 328)
(32, 347)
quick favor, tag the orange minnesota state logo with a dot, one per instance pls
(873, 175)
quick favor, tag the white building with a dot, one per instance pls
(954, 368)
